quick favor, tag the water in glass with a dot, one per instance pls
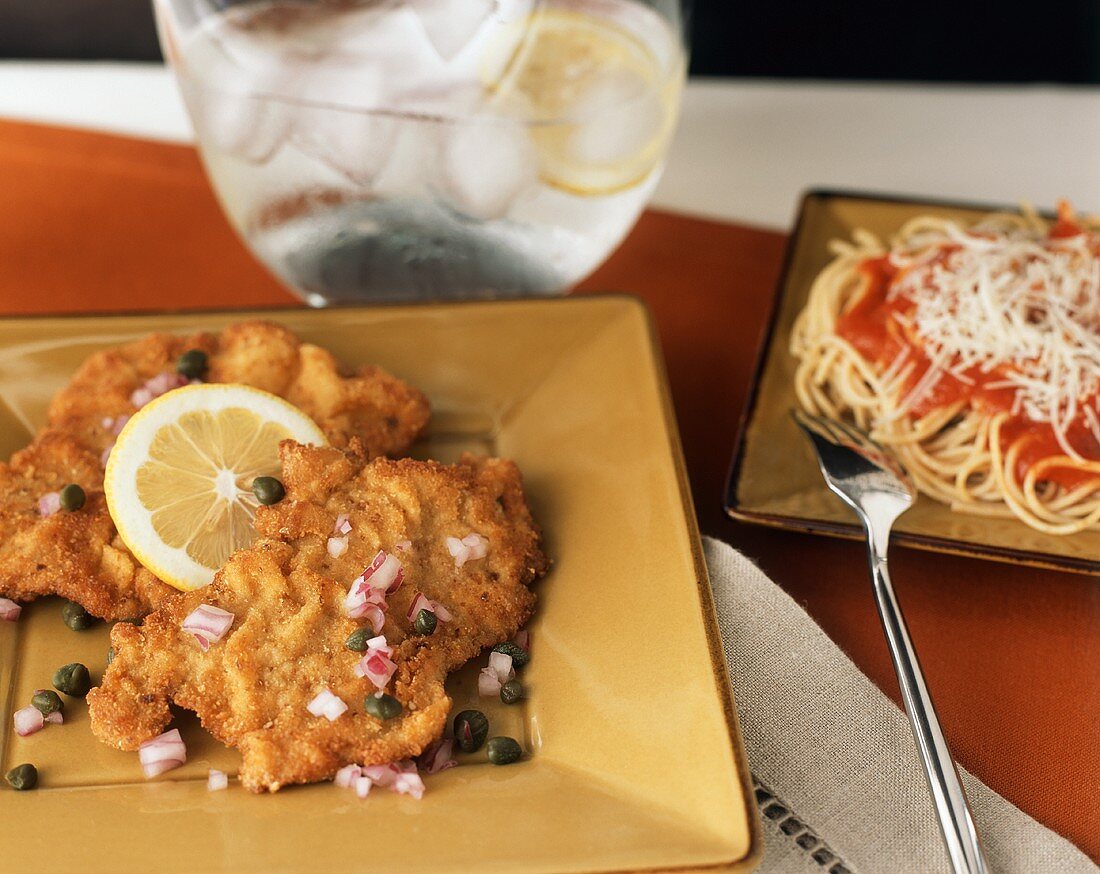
(406, 149)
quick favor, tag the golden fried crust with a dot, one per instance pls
(79, 555)
(287, 593)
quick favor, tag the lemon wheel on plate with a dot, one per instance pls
(179, 478)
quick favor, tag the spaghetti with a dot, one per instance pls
(974, 353)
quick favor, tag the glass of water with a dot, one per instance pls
(428, 149)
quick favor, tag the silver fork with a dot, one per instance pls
(874, 484)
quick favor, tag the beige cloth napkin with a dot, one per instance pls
(836, 771)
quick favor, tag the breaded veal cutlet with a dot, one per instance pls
(287, 593)
(79, 555)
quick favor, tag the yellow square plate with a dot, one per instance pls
(634, 758)
(774, 479)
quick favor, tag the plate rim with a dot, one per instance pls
(707, 616)
(852, 531)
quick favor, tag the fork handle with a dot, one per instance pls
(956, 821)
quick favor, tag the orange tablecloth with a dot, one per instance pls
(1012, 654)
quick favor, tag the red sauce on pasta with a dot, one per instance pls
(870, 324)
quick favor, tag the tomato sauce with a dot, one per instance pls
(871, 326)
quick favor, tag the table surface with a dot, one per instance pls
(1010, 654)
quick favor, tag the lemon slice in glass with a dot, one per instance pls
(179, 479)
(600, 95)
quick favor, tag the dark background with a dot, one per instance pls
(964, 41)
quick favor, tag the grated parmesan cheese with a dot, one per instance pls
(1014, 303)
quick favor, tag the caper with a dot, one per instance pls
(46, 701)
(511, 691)
(72, 679)
(503, 750)
(76, 617)
(22, 777)
(519, 654)
(357, 640)
(425, 623)
(72, 498)
(382, 706)
(268, 490)
(192, 364)
(471, 729)
(110, 654)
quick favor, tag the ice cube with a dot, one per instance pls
(620, 115)
(488, 164)
(512, 10)
(354, 143)
(246, 126)
(412, 165)
(451, 25)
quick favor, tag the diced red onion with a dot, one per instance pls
(400, 777)
(488, 684)
(28, 720)
(156, 386)
(523, 639)
(478, 546)
(140, 397)
(355, 604)
(389, 575)
(208, 624)
(501, 665)
(337, 546)
(422, 603)
(327, 705)
(342, 526)
(385, 573)
(458, 550)
(419, 602)
(155, 769)
(49, 503)
(55, 718)
(470, 548)
(346, 775)
(378, 668)
(375, 564)
(217, 780)
(498, 672)
(362, 600)
(409, 783)
(438, 756)
(115, 425)
(377, 618)
(381, 775)
(9, 610)
(162, 753)
(403, 545)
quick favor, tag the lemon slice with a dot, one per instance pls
(600, 98)
(179, 479)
